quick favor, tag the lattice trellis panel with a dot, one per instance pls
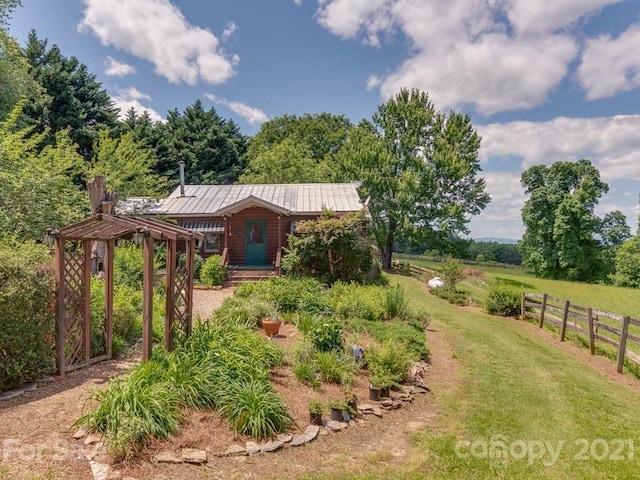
(74, 351)
(180, 301)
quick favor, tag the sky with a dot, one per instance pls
(543, 80)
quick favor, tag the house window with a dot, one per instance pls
(212, 242)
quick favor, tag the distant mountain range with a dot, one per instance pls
(510, 241)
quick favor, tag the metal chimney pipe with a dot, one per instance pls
(181, 163)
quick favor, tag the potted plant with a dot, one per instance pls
(316, 408)
(351, 401)
(379, 385)
(337, 407)
(271, 323)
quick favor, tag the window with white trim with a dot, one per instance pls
(212, 242)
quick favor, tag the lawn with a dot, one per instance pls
(558, 417)
(623, 301)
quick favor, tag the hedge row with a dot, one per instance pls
(27, 328)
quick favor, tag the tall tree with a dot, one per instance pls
(35, 192)
(561, 227)
(212, 148)
(627, 271)
(127, 166)
(74, 99)
(313, 140)
(419, 169)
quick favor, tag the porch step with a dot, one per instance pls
(238, 276)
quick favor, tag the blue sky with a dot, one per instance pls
(543, 80)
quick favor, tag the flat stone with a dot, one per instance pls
(80, 433)
(311, 432)
(99, 470)
(284, 437)
(18, 391)
(46, 380)
(390, 405)
(93, 439)
(271, 446)
(298, 440)
(365, 407)
(377, 412)
(194, 455)
(235, 450)
(336, 426)
(167, 457)
(252, 448)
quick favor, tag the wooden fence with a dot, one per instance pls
(440, 258)
(420, 273)
(595, 324)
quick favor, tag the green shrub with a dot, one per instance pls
(128, 266)
(198, 261)
(456, 297)
(388, 365)
(27, 329)
(244, 312)
(335, 367)
(212, 273)
(290, 295)
(350, 300)
(325, 335)
(395, 306)
(504, 300)
(253, 408)
(452, 272)
(406, 334)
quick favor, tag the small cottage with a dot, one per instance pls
(248, 224)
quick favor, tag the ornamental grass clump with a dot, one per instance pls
(223, 367)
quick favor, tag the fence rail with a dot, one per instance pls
(605, 327)
(440, 258)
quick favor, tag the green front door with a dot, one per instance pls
(256, 238)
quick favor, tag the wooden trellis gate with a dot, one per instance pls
(73, 250)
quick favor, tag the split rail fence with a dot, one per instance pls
(595, 324)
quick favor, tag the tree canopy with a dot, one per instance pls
(212, 148)
(561, 227)
(418, 167)
(292, 149)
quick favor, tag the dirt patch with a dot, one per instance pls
(205, 301)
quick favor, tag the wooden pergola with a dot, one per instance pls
(73, 250)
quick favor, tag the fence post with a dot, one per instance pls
(565, 316)
(623, 343)
(592, 336)
(543, 308)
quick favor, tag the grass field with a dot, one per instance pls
(623, 301)
(558, 417)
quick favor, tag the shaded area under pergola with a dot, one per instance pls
(73, 249)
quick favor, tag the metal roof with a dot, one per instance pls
(288, 199)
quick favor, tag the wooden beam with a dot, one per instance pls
(108, 296)
(191, 248)
(592, 337)
(623, 344)
(565, 317)
(147, 298)
(61, 337)
(86, 311)
(542, 310)
(170, 286)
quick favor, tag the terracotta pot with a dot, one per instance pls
(271, 327)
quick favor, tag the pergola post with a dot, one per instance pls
(86, 310)
(191, 248)
(60, 316)
(170, 297)
(108, 296)
(147, 298)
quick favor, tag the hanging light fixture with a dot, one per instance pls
(118, 242)
(50, 237)
(199, 243)
(139, 235)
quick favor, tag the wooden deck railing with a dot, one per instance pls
(606, 327)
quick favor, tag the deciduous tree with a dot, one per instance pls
(561, 227)
(418, 167)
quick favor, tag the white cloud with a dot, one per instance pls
(156, 30)
(130, 97)
(496, 55)
(297, 2)
(611, 65)
(117, 68)
(611, 143)
(252, 115)
(229, 30)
